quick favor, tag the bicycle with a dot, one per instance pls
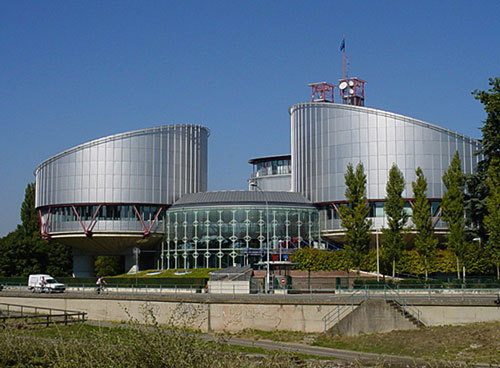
(101, 289)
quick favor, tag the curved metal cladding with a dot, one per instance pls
(121, 183)
(327, 137)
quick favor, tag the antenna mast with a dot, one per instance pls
(352, 90)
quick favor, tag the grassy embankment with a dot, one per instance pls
(135, 346)
(82, 345)
(475, 342)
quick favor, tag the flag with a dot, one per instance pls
(342, 45)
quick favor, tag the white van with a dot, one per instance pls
(45, 283)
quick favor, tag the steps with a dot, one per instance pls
(406, 312)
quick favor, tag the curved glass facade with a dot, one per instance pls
(105, 218)
(221, 236)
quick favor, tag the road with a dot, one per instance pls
(462, 297)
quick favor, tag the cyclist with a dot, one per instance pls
(100, 284)
(43, 284)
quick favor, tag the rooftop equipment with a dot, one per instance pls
(322, 92)
(352, 91)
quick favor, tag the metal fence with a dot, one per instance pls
(13, 314)
(407, 289)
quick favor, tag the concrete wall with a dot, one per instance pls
(192, 315)
(373, 316)
(235, 313)
(203, 316)
(268, 317)
(457, 315)
(229, 287)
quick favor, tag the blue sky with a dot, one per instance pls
(74, 71)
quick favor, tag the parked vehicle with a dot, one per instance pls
(45, 283)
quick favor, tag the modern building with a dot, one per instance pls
(229, 228)
(146, 189)
(273, 173)
(326, 137)
(107, 196)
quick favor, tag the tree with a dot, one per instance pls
(492, 218)
(453, 209)
(23, 251)
(107, 265)
(309, 259)
(354, 215)
(491, 129)
(425, 242)
(29, 216)
(396, 217)
(477, 190)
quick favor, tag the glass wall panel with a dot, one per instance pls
(239, 235)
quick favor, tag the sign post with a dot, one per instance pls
(136, 252)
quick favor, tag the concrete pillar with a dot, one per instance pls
(130, 263)
(83, 265)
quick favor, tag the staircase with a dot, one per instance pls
(341, 311)
(407, 310)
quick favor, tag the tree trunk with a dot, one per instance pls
(458, 268)
(393, 268)
(498, 271)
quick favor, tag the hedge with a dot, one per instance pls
(169, 282)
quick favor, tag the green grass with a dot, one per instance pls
(129, 346)
(257, 350)
(284, 336)
(475, 342)
(194, 273)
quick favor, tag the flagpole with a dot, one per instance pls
(343, 57)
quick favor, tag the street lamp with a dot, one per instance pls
(254, 184)
(378, 258)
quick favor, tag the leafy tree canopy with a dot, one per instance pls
(453, 208)
(425, 242)
(477, 189)
(354, 215)
(491, 129)
(492, 219)
(23, 251)
(396, 217)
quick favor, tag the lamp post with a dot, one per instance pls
(378, 259)
(254, 184)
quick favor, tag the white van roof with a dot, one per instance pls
(40, 275)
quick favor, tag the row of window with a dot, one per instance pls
(273, 167)
(377, 209)
(241, 224)
(105, 212)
